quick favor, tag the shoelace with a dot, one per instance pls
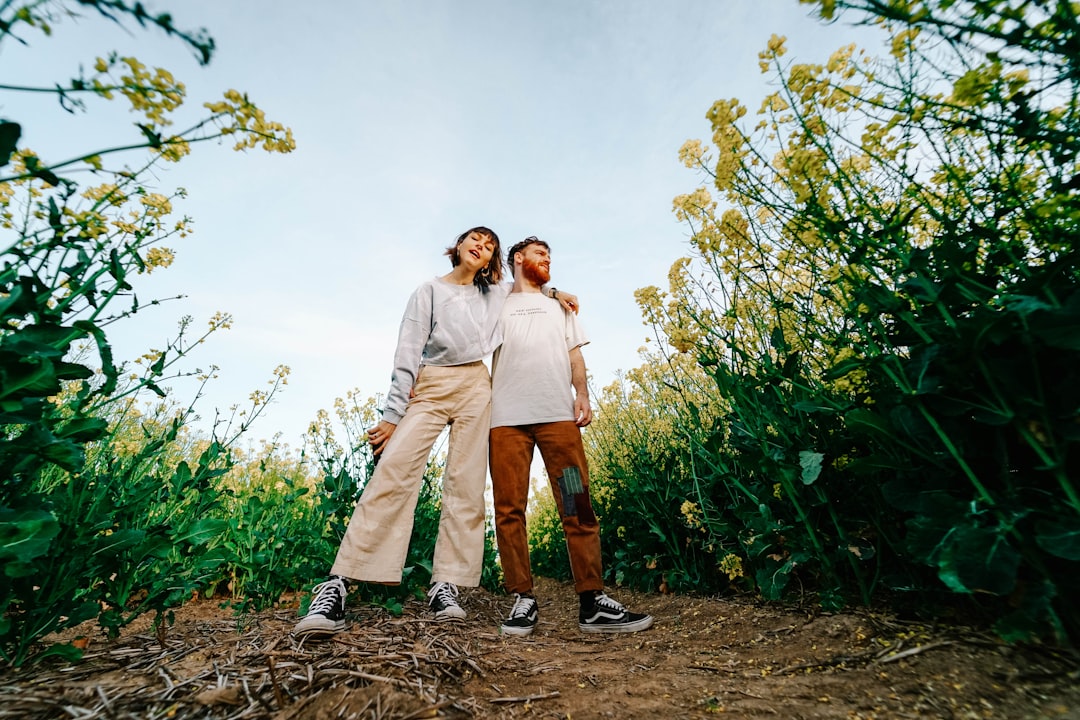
(445, 592)
(607, 603)
(327, 596)
(522, 607)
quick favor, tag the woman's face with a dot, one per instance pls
(475, 251)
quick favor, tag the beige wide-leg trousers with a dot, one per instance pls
(377, 540)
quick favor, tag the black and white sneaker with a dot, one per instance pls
(442, 599)
(326, 615)
(608, 616)
(522, 618)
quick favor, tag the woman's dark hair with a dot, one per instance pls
(494, 270)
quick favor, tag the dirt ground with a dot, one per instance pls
(703, 658)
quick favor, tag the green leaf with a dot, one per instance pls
(809, 406)
(157, 546)
(117, 541)
(202, 531)
(831, 599)
(11, 305)
(153, 387)
(26, 534)
(772, 581)
(153, 138)
(844, 367)
(1060, 327)
(42, 340)
(777, 340)
(811, 465)
(83, 429)
(159, 365)
(36, 169)
(72, 371)
(1030, 619)
(105, 351)
(928, 532)
(31, 378)
(181, 477)
(56, 218)
(65, 651)
(10, 132)
(868, 422)
(975, 559)
(902, 494)
(922, 289)
(1025, 304)
(774, 577)
(116, 269)
(65, 453)
(1059, 538)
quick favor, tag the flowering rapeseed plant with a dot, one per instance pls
(72, 254)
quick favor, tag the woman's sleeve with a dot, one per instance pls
(412, 337)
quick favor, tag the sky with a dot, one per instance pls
(414, 121)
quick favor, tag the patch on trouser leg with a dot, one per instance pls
(575, 500)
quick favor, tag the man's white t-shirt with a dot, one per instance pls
(530, 372)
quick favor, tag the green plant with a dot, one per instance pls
(884, 294)
(70, 258)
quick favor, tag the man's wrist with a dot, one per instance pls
(552, 292)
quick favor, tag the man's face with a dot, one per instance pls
(536, 264)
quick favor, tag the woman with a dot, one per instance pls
(450, 325)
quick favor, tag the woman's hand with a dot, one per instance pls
(568, 301)
(378, 436)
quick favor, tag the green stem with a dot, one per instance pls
(805, 520)
(955, 453)
(842, 534)
(1059, 475)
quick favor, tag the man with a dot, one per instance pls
(532, 406)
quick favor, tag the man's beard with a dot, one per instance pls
(535, 272)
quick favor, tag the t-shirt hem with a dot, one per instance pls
(531, 421)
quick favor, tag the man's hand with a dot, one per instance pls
(579, 379)
(582, 410)
(378, 436)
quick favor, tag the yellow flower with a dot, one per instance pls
(731, 565)
(691, 513)
(690, 153)
(221, 320)
(159, 257)
(107, 191)
(774, 50)
(157, 205)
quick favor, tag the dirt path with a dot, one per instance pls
(702, 659)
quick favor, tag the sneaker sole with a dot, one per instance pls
(516, 631)
(320, 627)
(643, 624)
(450, 614)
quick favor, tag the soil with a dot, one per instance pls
(703, 658)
